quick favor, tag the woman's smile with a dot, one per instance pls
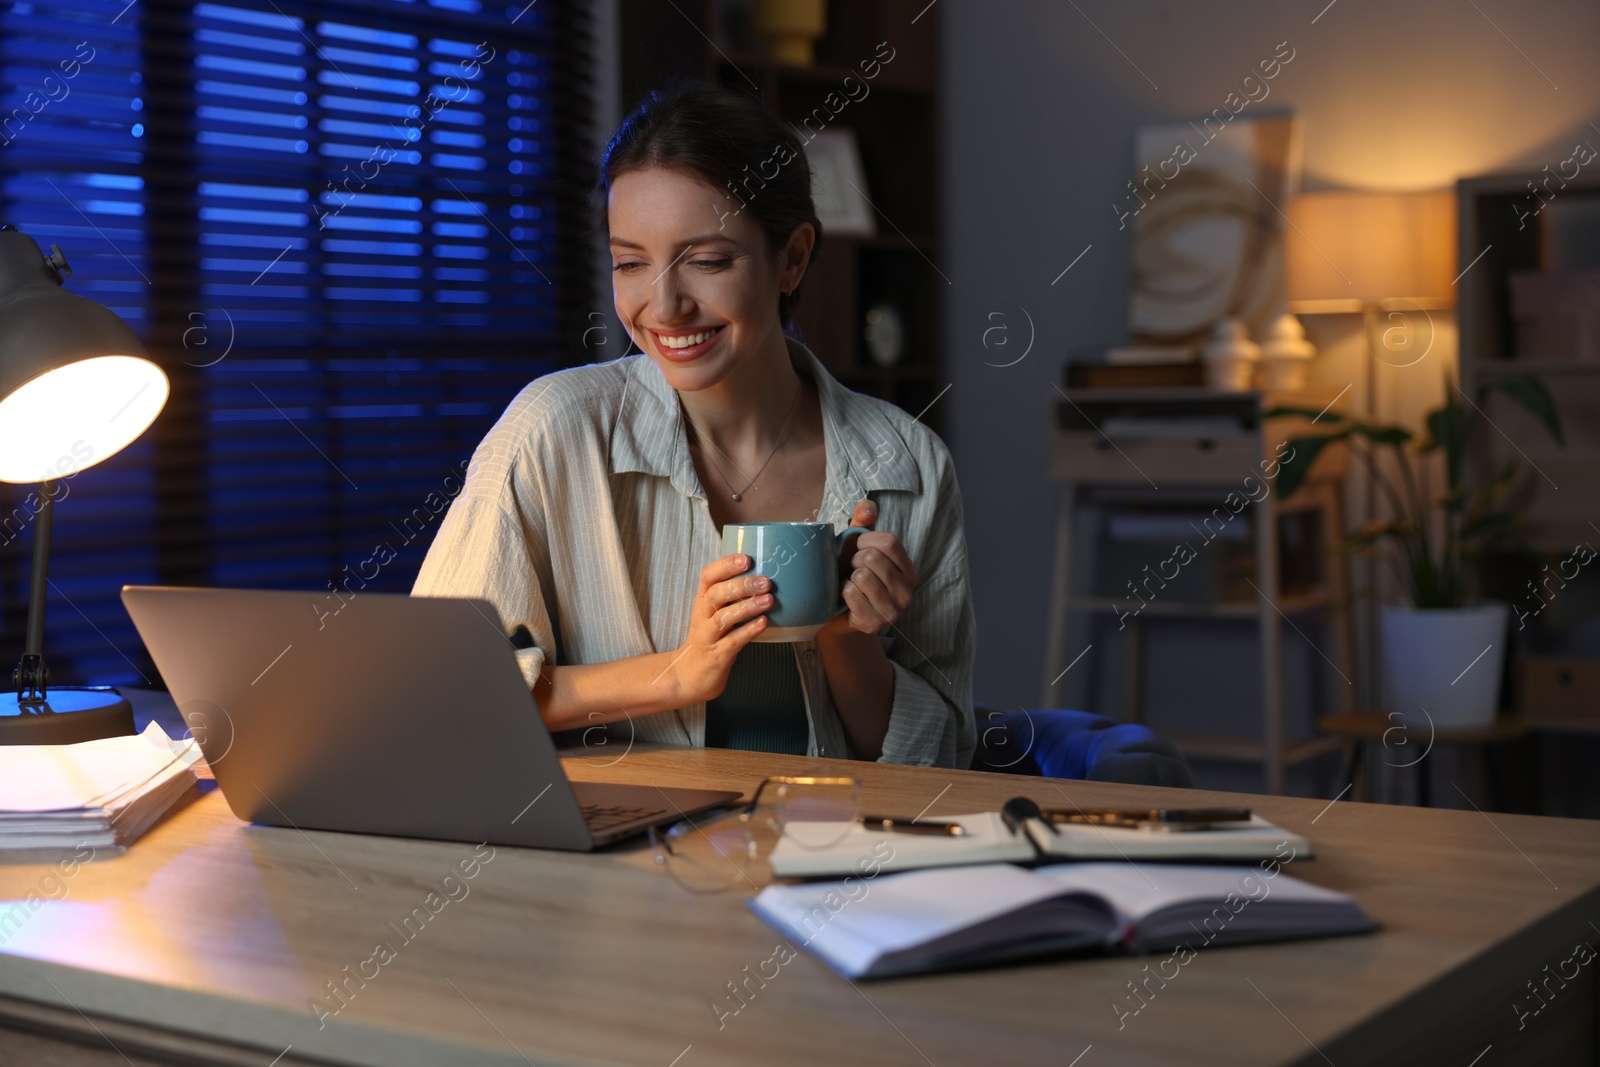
(690, 343)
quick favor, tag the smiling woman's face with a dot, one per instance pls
(695, 284)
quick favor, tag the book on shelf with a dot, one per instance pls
(1150, 355)
(1174, 427)
(1134, 367)
(1135, 376)
(921, 921)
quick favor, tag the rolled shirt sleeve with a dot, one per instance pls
(933, 645)
(484, 551)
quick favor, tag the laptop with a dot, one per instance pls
(379, 713)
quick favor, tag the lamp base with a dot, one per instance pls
(67, 717)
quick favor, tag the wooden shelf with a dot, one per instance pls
(1188, 609)
(756, 66)
(1376, 725)
(1248, 750)
(1511, 368)
(1553, 725)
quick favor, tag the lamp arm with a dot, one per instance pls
(32, 676)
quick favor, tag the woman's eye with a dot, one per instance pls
(628, 268)
(720, 263)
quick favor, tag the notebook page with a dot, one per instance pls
(896, 912)
(1138, 890)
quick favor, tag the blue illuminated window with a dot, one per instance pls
(308, 212)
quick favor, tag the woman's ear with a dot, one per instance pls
(796, 256)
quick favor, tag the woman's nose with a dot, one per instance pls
(668, 298)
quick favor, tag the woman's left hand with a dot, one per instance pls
(882, 578)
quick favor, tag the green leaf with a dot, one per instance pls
(1394, 436)
(1445, 426)
(1531, 394)
(1303, 453)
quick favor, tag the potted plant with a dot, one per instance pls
(1443, 651)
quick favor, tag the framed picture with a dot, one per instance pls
(839, 185)
(1206, 209)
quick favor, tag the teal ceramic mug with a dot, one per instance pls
(802, 560)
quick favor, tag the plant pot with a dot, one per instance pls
(1445, 662)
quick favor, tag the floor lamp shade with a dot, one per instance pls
(1346, 251)
(76, 387)
(1372, 253)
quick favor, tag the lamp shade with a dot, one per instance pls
(1347, 250)
(76, 385)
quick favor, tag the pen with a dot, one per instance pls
(890, 824)
(1175, 818)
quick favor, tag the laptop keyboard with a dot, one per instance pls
(601, 817)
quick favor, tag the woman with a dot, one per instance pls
(592, 512)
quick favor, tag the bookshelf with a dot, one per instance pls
(1495, 242)
(1555, 664)
(896, 126)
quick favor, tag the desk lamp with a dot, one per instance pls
(76, 387)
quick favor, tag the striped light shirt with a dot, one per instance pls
(583, 519)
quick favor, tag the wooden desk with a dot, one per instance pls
(207, 941)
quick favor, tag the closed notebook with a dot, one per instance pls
(931, 920)
(856, 850)
(1257, 839)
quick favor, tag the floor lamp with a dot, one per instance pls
(1390, 258)
(76, 387)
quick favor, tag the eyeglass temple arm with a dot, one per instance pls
(782, 779)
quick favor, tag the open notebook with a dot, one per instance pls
(853, 849)
(966, 916)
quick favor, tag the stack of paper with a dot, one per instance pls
(102, 794)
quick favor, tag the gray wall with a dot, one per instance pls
(1040, 112)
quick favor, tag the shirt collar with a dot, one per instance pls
(865, 451)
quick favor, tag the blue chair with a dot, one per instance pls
(1057, 743)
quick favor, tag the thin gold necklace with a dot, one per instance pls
(738, 494)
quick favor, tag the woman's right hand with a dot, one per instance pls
(728, 613)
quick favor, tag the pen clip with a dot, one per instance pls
(1018, 810)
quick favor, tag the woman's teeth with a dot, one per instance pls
(688, 340)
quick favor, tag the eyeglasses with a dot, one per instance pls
(731, 848)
